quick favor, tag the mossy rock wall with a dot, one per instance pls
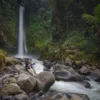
(2, 61)
(3, 54)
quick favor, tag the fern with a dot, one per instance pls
(97, 11)
(93, 19)
(90, 19)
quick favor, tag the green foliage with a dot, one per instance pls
(37, 36)
(76, 39)
(90, 19)
(8, 18)
(38, 31)
(3, 53)
(93, 19)
(97, 12)
(94, 26)
(76, 47)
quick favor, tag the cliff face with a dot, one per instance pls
(8, 22)
(9, 19)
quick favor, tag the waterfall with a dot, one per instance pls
(22, 48)
(21, 33)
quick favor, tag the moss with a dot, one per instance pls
(3, 53)
(2, 61)
(2, 58)
(76, 47)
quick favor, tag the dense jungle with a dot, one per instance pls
(56, 28)
(65, 34)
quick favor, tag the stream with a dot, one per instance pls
(71, 87)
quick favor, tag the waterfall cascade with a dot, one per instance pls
(21, 33)
(22, 48)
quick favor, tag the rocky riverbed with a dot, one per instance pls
(54, 81)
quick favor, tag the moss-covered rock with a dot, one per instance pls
(2, 61)
(59, 52)
(11, 61)
(3, 53)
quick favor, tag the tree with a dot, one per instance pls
(94, 24)
(58, 19)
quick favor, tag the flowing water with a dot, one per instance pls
(21, 33)
(72, 87)
(22, 48)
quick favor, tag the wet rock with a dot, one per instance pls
(83, 96)
(64, 98)
(59, 96)
(21, 69)
(10, 89)
(77, 64)
(98, 79)
(86, 84)
(95, 75)
(68, 76)
(12, 80)
(84, 70)
(58, 67)
(52, 95)
(21, 97)
(45, 80)
(47, 64)
(76, 98)
(68, 62)
(11, 61)
(7, 97)
(63, 75)
(46, 69)
(26, 82)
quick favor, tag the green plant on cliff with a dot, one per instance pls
(3, 54)
(94, 26)
(8, 17)
(39, 28)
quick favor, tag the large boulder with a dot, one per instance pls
(7, 97)
(10, 89)
(68, 62)
(12, 80)
(76, 97)
(68, 76)
(84, 70)
(47, 64)
(59, 96)
(21, 97)
(95, 75)
(58, 67)
(21, 69)
(77, 64)
(53, 95)
(11, 61)
(45, 80)
(26, 82)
